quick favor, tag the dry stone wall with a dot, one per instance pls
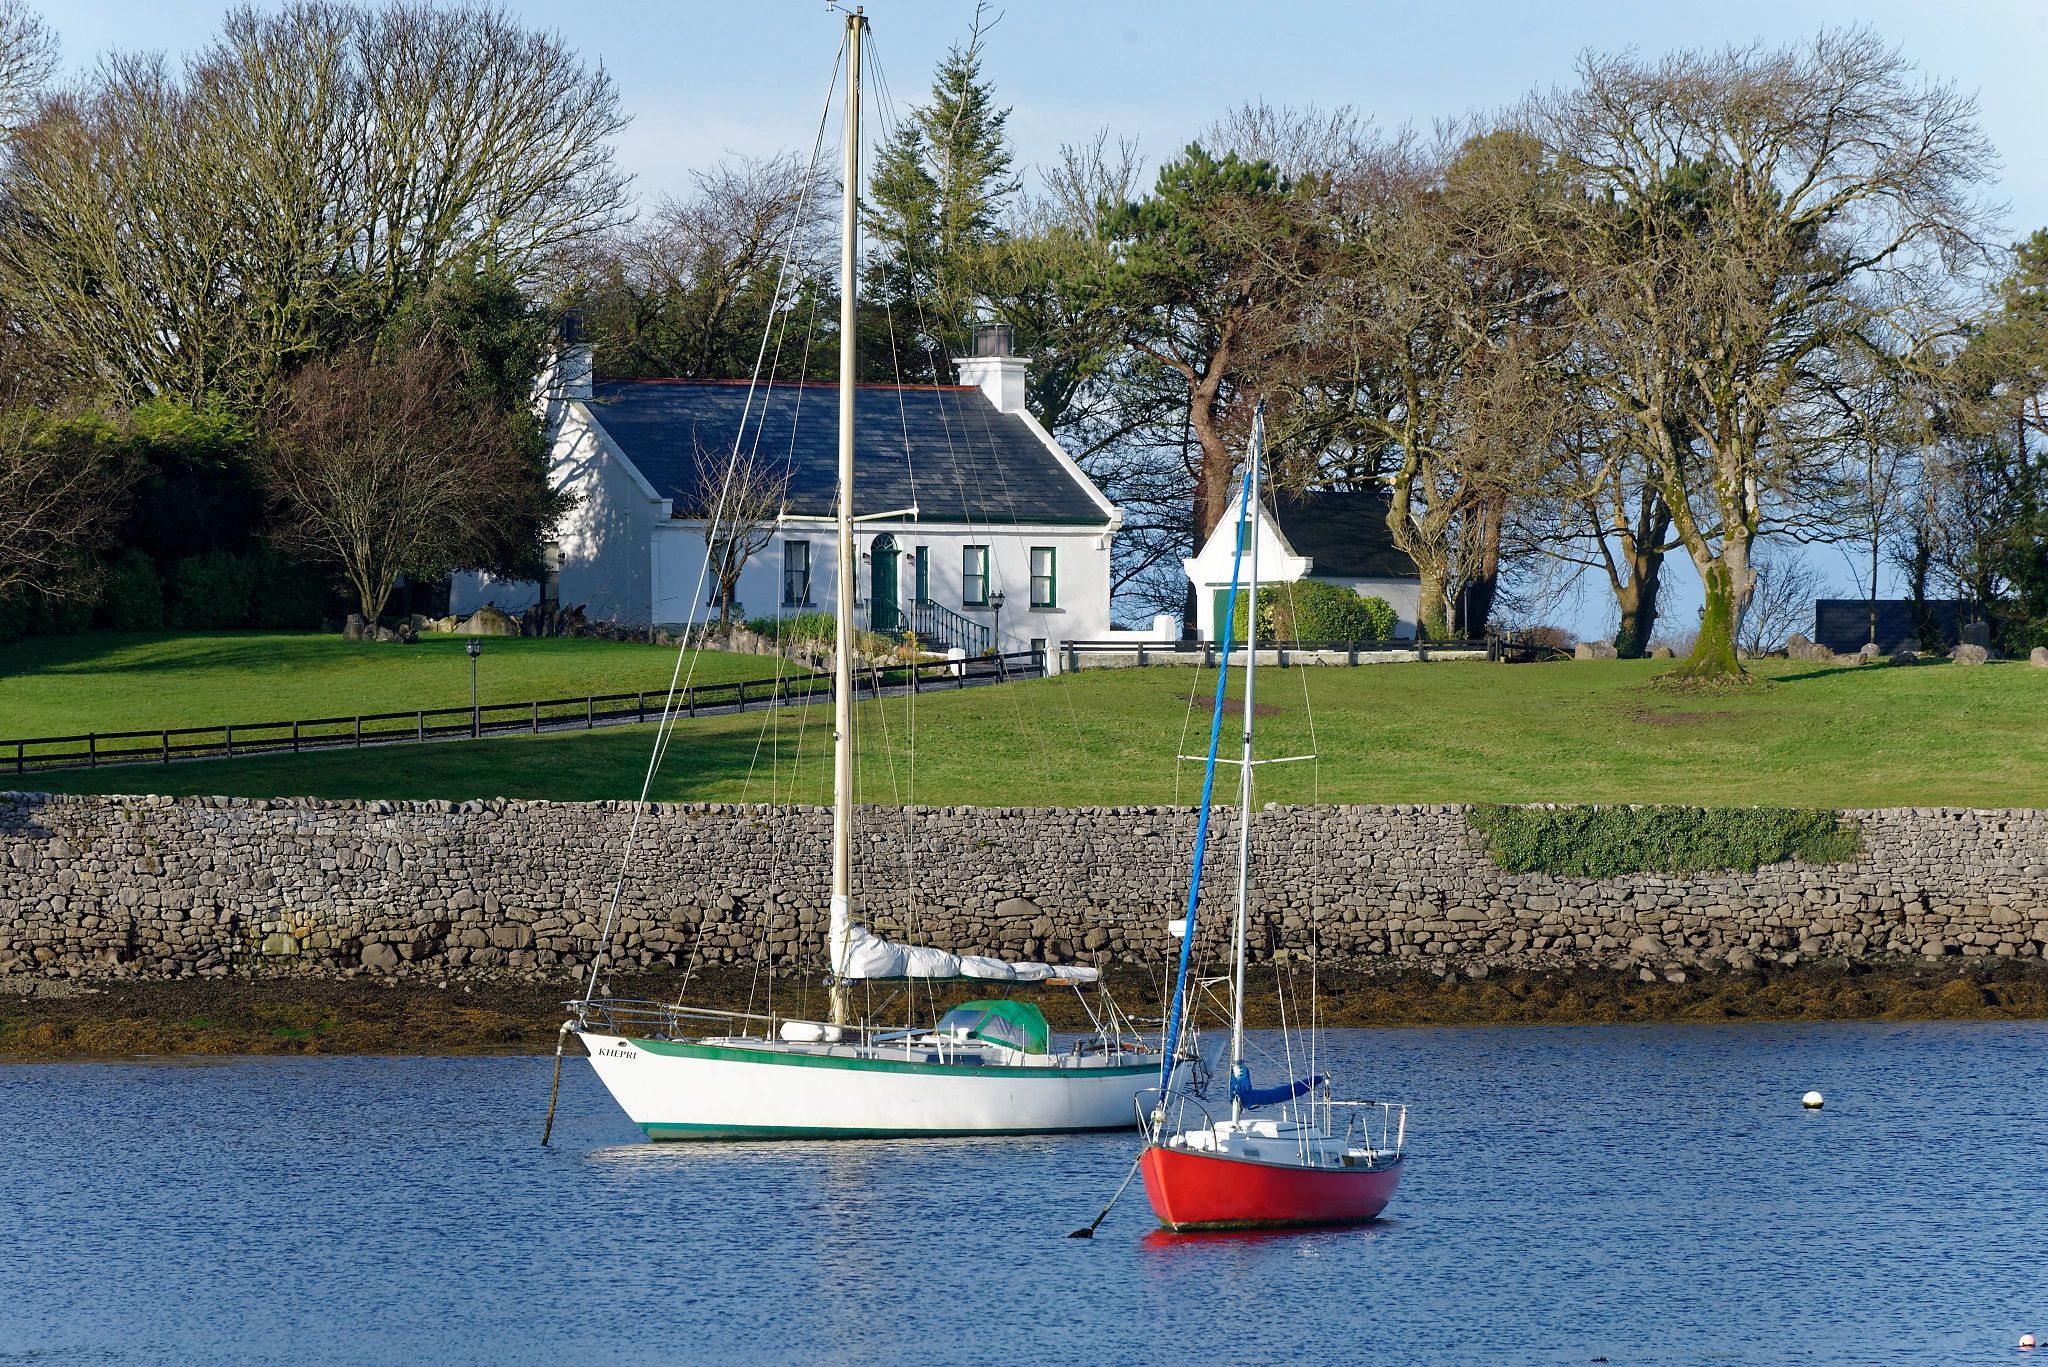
(152, 886)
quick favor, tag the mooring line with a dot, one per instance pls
(1088, 1232)
(555, 1089)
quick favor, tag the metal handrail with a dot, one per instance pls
(1391, 1140)
(1184, 647)
(625, 1015)
(932, 621)
(664, 1020)
(1393, 1115)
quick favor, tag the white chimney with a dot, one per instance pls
(566, 373)
(993, 370)
(569, 371)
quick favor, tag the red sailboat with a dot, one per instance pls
(1311, 1159)
(1271, 1174)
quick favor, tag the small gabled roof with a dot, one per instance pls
(1343, 533)
(944, 449)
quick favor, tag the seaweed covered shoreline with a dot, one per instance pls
(292, 1015)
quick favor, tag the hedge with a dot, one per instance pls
(817, 630)
(1605, 842)
(1312, 610)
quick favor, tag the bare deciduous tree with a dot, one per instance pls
(689, 292)
(1739, 218)
(198, 231)
(28, 57)
(61, 498)
(740, 496)
(385, 464)
(1438, 344)
(1786, 586)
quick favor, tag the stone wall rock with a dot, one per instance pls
(162, 887)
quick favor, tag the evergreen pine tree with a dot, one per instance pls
(936, 199)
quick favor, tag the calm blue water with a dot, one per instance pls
(1637, 1194)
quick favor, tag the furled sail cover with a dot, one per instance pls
(1019, 1025)
(1241, 1088)
(867, 955)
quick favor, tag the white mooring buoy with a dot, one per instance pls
(1813, 1101)
(2027, 1343)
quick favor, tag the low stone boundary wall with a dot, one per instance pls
(152, 886)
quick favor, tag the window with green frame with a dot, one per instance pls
(1044, 577)
(796, 574)
(923, 587)
(974, 576)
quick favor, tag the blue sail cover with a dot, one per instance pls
(1253, 1097)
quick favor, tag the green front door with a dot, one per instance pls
(1220, 616)
(883, 613)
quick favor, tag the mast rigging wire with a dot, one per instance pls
(678, 679)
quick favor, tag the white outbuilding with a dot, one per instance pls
(1339, 537)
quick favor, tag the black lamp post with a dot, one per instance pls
(476, 648)
(995, 600)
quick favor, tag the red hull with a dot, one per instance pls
(1191, 1190)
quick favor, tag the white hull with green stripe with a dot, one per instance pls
(760, 1089)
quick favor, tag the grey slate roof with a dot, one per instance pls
(1344, 533)
(963, 462)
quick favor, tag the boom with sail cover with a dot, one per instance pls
(1245, 1094)
(862, 954)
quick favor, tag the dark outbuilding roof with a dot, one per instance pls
(945, 450)
(1345, 535)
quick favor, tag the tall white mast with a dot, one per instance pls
(842, 653)
(1244, 771)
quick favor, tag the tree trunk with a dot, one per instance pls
(1431, 620)
(1632, 635)
(1919, 564)
(1637, 600)
(1476, 607)
(1211, 470)
(1212, 481)
(1713, 657)
(373, 592)
(1639, 576)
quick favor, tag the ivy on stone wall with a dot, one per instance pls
(1608, 842)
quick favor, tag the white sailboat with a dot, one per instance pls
(985, 1067)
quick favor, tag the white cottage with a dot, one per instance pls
(1008, 546)
(1338, 537)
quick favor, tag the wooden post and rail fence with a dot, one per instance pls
(163, 745)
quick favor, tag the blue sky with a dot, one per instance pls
(747, 76)
(704, 78)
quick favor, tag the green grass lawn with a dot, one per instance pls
(1582, 731)
(106, 681)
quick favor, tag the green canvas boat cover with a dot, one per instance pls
(1017, 1025)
